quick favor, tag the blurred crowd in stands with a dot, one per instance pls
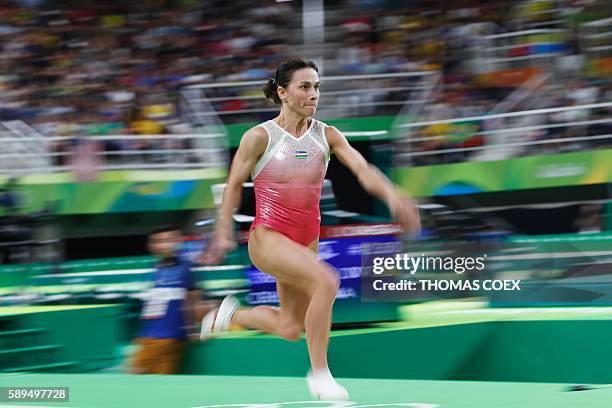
(96, 68)
(79, 68)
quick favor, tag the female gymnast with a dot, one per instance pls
(287, 160)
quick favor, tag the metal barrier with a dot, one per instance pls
(550, 130)
(596, 38)
(519, 49)
(538, 14)
(341, 96)
(24, 151)
(22, 147)
(118, 152)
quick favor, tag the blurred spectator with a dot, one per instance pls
(171, 310)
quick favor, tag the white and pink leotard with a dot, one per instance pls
(287, 181)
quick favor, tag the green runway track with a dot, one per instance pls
(123, 391)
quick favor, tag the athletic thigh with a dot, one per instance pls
(294, 300)
(290, 263)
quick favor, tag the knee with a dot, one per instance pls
(291, 331)
(328, 281)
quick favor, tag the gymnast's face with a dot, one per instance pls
(302, 93)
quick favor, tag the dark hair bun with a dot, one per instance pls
(269, 91)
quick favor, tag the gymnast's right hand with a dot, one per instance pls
(215, 252)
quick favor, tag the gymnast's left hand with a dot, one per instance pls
(404, 210)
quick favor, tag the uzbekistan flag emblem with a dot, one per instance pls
(300, 154)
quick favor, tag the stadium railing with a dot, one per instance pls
(341, 96)
(596, 38)
(520, 49)
(549, 130)
(112, 152)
